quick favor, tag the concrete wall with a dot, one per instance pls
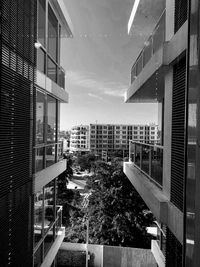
(127, 257)
(73, 255)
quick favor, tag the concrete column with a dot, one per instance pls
(167, 133)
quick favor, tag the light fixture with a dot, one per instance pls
(37, 45)
(133, 12)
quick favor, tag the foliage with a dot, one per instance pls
(86, 161)
(116, 212)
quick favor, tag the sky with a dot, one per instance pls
(98, 60)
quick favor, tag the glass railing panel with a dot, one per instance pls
(157, 164)
(159, 34)
(50, 155)
(139, 65)
(61, 77)
(148, 51)
(137, 154)
(153, 43)
(52, 70)
(145, 159)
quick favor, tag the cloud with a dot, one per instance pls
(87, 80)
(95, 96)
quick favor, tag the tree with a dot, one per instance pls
(116, 211)
(86, 161)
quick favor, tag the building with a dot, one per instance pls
(32, 87)
(79, 139)
(105, 139)
(167, 176)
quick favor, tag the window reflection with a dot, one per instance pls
(50, 155)
(39, 161)
(52, 34)
(41, 21)
(52, 70)
(51, 119)
(40, 113)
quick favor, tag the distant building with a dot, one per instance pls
(105, 139)
(79, 139)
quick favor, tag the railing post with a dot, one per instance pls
(150, 160)
(130, 148)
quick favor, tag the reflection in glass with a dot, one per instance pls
(52, 34)
(38, 257)
(48, 241)
(38, 217)
(52, 70)
(48, 206)
(39, 160)
(41, 21)
(51, 120)
(50, 155)
(40, 112)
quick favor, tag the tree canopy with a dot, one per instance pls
(117, 214)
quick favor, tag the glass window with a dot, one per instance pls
(41, 60)
(41, 21)
(51, 119)
(40, 113)
(52, 34)
(38, 217)
(52, 70)
(39, 160)
(50, 155)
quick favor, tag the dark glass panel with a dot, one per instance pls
(50, 155)
(38, 215)
(39, 160)
(52, 34)
(51, 119)
(41, 21)
(41, 60)
(40, 113)
(52, 70)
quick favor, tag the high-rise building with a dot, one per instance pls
(32, 86)
(167, 176)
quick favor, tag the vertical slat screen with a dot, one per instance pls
(178, 133)
(18, 35)
(180, 14)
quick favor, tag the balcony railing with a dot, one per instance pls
(149, 159)
(152, 45)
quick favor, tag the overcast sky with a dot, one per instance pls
(98, 60)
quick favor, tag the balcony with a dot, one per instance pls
(145, 172)
(48, 233)
(149, 159)
(148, 69)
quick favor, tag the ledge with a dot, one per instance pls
(158, 203)
(54, 249)
(47, 175)
(150, 193)
(157, 253)
(44, 82)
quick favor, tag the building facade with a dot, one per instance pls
(79, 139)
(105, 139)
(32, 88)
(167, 176)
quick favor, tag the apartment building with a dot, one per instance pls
(79, 139)
(167, 175)
(32, 88)
(105, 139)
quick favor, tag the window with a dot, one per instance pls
(135, 127)
(117, 127)
(117, 132)
(141, 128)
(141, 132)
(124, 127)
(48, 149)
(40, 114)
(135, 132)
(152, 128)
(117, 136)
(93, 132)
(124, 136)
(124, 132)
(51, 119)
(41, 21)
(41, 60)
(152, 132)
(135, 137)
(92, 127)
(52, 34)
